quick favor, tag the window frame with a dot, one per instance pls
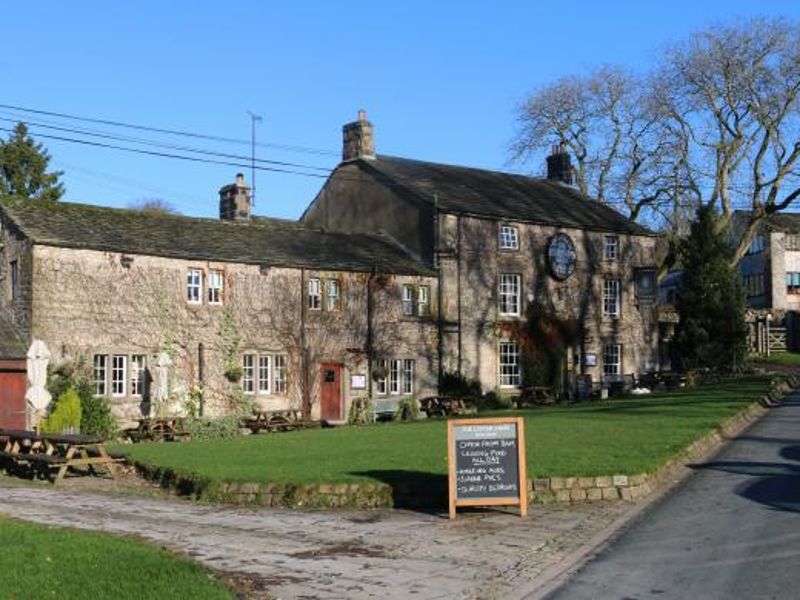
(612, 299)
(280, 378)
(509, 373)
(138, 370)
(333, 294)
(407, 377)
(505, 294)
(610, 247)
(98, 381)
(215, 286)
(119, 375)
(264, 374)
(249, 373)
(13, 267)
(382, 382)
(508, 237)
(616, 367)
(314, 294)
(194, 289)
(423, 300)
(793, 288)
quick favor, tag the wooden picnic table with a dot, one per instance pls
(441, 406)
(535, 394)
(275, 420)
(46, 453)
(164, 429)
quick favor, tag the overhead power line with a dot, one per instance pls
(145, 142)
(170, 155)
(191, 134)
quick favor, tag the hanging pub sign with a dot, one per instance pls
(646, 285)
(561, 256)
(486, 463)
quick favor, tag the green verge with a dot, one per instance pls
(618, 436)
(52, 562)
(779, 358)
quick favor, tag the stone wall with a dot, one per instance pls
(88, 302)
(470, 271)
(14, 247)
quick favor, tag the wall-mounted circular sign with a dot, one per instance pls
(561, 256)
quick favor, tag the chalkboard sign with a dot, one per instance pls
(486, 459)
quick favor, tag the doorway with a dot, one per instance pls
(331, 392)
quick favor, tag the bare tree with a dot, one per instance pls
(715, 123)
(154, 205)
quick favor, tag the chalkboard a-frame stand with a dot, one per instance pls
(486, 463)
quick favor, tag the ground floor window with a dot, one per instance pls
(120, 375)
(612, 359)
(510, 372)
(263, 373)
(394, 377)
(793, 282)
(100, 374)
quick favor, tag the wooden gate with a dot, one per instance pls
(13, 414)
(331, 392)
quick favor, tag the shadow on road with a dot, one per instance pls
(773, 484)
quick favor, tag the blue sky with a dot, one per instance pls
(440, 80)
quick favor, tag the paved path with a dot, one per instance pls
(732, 531)
(339, 554)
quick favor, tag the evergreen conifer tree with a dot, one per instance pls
(23, 168)
(711, 329)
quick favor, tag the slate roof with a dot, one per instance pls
(495, 194)
(274, 242)
(11, 347)
(787, 222)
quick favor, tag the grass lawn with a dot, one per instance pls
(624, 436)
(47, 562)
(779, 358)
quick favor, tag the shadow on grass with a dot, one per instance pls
(416, 490)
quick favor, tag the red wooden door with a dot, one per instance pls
(331, 392)
(12, 399)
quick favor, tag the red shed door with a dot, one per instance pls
(12, 399)
(331, 392)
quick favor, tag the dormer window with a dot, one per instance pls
(509, 238)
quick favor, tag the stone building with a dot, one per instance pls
(770, 276)
(507, 250)
(280, 312)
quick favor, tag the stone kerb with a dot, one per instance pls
(382, 495)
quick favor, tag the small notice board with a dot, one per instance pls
(486, 463)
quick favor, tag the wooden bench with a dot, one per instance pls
(163, 429)
(442, 406)
(52, 455)
(275, 420)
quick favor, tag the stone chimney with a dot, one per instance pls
(559, 167)
(234, 200)
(359, 141)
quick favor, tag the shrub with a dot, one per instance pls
(213, 429)
(65, 417)
(456, 384)
(96, 418)
(407, 410)
(362, 412)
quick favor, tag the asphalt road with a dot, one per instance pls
(732, 530)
